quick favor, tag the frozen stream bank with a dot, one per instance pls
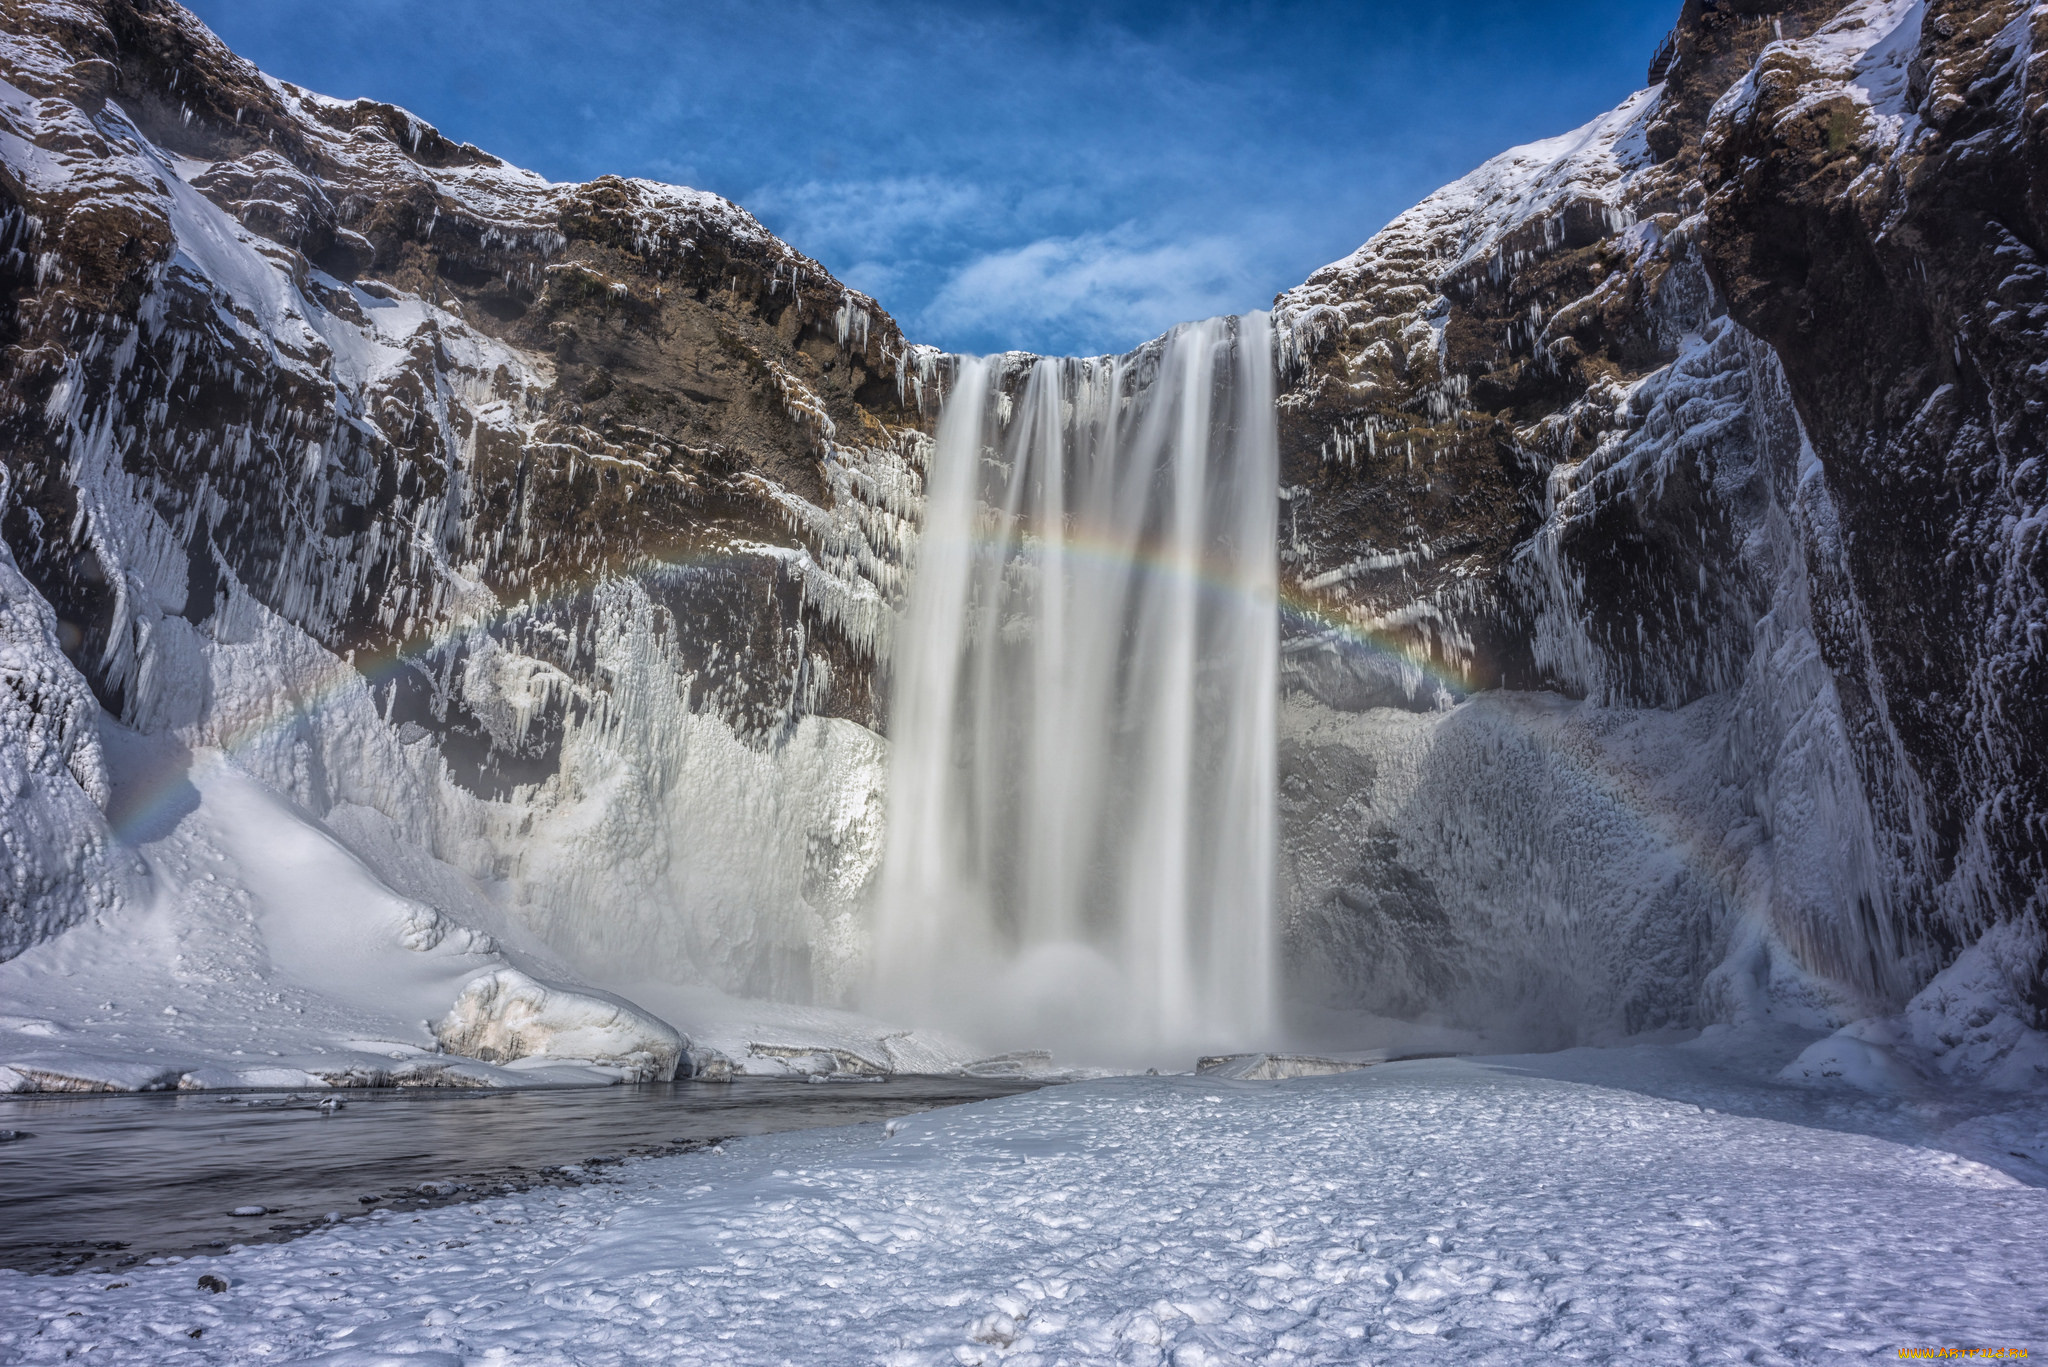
(1640, 1205)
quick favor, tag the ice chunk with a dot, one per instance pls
(506, 1016)
(1272, 1067)
(1016, 1063)
(819, 1060)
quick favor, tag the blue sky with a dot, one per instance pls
(1055, 177)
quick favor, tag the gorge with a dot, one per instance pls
(1656, 603)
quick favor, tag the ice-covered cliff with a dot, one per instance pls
(1660, 521)
(1719, 420)
(533, 540)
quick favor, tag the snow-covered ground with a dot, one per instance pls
(1648, 1204)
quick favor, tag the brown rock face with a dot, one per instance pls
(1484, 339)
(1525, 448)
(399, 390)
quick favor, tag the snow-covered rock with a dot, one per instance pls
(61, 862)
(507, 1017)
(1971, 1020)
(339, 461)
(1603, 418)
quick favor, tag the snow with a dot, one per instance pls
(507, 1017)
(1662, 1204)
(257, 950)
(260, 946)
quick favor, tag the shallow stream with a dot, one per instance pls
(102, 1182)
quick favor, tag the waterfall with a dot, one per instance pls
(1081, 792)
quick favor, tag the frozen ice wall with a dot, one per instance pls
(1080, 825)
(1679, 833)
(625, 767)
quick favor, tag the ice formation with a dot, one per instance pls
(1080, 825)
(533, 559)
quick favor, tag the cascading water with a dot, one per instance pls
(1081, 792)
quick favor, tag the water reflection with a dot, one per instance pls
(102, 1181)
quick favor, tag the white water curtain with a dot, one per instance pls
(1080, 834)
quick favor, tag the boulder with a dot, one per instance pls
(505, 1017)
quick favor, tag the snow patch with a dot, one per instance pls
(507, 1017)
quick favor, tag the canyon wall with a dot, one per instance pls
(1719, 421)
(551, 529)
(1660, 521)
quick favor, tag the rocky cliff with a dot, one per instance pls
(1661, 520)
(325, 432)
(1720, 421)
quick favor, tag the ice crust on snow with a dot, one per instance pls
(1640, 1204)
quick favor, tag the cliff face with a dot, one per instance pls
(1722, 416)
(1879, 221)
(1661, 520)
(310, 411)
(370, 374)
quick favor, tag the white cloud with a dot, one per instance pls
(867, 219)
(1100, 291)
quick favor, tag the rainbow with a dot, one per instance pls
(150, 798)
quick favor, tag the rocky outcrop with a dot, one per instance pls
(396, 389)
(433, 489)
(1723, 410)
(1877, 213)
